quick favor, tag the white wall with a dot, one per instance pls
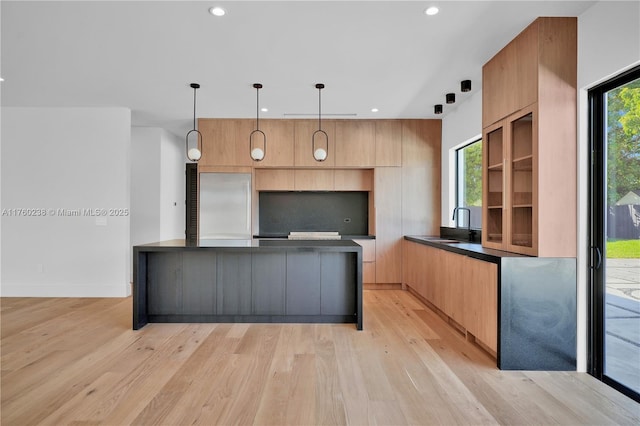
(157, 186)
(65, 158)
(608, 43)
(145, 185)
(172, 187)
(459, 127)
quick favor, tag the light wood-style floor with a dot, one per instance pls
(76, 361)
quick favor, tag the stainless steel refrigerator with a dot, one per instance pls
(225, 206)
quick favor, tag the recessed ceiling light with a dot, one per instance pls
(217, 11)
(374, 109)
(1, 79)
(432, 11)
(264, 109)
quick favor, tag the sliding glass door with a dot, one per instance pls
(615, 232)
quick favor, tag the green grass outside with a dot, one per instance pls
(623, 249)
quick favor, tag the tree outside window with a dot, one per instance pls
(469, 183)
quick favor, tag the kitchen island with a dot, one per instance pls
(280, 281)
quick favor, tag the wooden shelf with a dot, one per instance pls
(524, 164)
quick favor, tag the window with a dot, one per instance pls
(469, 183)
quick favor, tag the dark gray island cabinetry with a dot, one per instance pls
(248, 281)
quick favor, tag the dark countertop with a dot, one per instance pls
(474, 250)
(344, 237)
(253, 244)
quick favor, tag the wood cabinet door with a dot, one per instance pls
(355, 143)
(510, 78)
(225, 142)
(279, 134)
(454, 285)
(388, 200)
(313, 180)
(353, 179)
(274, 180)
(481, 301)
(494, 192)
(303, 147)
(388, 138)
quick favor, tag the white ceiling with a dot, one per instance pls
(143, 55)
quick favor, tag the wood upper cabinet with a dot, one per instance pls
(280, 136)
(388, 139)
(314, 180)
(353, 180)
(509, 172)
(539, 61)
(529, 148)
(510, 77)
(225, 142)
(355, 143)
(303, 149)
(274, 180)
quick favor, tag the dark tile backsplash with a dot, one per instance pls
(346, 212)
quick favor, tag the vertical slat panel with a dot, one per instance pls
(337, 281)
(199, 283)
(234, 284)
(303, 284)
(164, 282)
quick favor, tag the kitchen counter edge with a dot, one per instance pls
(474, 250)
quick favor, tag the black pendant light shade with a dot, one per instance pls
(465, 86)
(194, 154)
(257, 138)
(319, 152)
(437, 109)
(451, 98)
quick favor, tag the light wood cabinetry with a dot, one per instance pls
(225, 142)
(355, 143)
(421, 165)
(303, 151)
(509, 176)
(280, 138)
(274, 180)
(353, 179)
(481, 301)
(388, 139)
(529, 154)
(368, 260)
(388, 219)
(314, 180)
(463, 289)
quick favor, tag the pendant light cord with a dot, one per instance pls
(319, 108)
(194, 107)
(257, 108)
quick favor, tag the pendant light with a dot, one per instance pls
(194, 154)
(320, 154)
(256, 148)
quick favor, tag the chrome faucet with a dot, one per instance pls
(471, 232)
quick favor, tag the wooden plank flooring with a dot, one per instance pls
(77, 362)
